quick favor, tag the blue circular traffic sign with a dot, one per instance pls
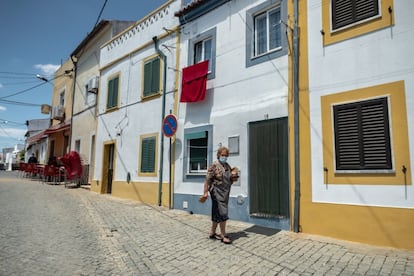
(169, 125)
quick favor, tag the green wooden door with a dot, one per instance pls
(268, 168)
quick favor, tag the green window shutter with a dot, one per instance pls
(112, 99)
(147, 78)
(148, 155)
(152, 77)
(155, 84)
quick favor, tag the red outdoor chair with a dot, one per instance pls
(31, 170)
(22, 169)
(51, 174)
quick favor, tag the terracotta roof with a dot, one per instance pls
(57, 128)
(33, 139)
(192, 5)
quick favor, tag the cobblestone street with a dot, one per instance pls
(50, 230)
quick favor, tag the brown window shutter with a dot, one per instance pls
(362, 136)
(346, 12)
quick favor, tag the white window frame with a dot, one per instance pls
(188, 136)
(267, 15)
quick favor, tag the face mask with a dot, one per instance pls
(223, 159)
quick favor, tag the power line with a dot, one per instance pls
(12, 122)
(23, 91)
(33, 87)
(100, 13)
(15, 73)
(18, 103)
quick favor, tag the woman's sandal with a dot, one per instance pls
(226, 240)
(214, 236)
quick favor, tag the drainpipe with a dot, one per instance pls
(296, 113)
(75, 68)
(164, 84)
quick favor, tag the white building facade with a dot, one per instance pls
(358, 179)
(245, 107)
(138, 84)
(86, 64)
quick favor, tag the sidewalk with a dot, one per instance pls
(113, 236)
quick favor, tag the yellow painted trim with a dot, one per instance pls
(141, 137)
(141, 191)
(173, 139)
(104, 184)
(399, 135)
(145, 61)
(112, 77)
(377, 23)
(382, 226)
(304, 123)
(95, 186)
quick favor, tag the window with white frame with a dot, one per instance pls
(203, 47)
(198, 148)
(345, 13)
(265, 33)
(362, 136)
(202, 51)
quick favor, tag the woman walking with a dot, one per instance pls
(218, 182)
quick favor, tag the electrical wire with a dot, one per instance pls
(23, 91)
(18, 103)
(100, 13)
(10, 122)
(31, 88)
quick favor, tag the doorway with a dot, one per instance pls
(108, 168)
(269, 168)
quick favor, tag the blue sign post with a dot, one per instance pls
(169, 125)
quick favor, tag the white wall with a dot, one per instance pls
(236, 96)
(374, 58)
(134, 116)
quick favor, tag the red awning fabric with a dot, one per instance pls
(194, 82)
(57, 128)
(33, 139)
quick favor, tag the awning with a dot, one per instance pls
(194, 82)
(58, 128)
(33, 139)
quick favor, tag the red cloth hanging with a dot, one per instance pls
(194, 82)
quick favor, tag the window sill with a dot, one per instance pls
(150, 97)
(267, 53)
(112, 109)
(391, 171)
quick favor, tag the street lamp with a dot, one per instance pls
(42, 78)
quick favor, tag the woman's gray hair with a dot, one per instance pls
(220, 149)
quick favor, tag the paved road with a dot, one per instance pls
(50, 230)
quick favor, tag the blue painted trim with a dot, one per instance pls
(200, 10)
(212, 34)
(250, 14)
(237, 211)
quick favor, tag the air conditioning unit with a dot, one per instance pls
(93, 84)
(58, 112)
